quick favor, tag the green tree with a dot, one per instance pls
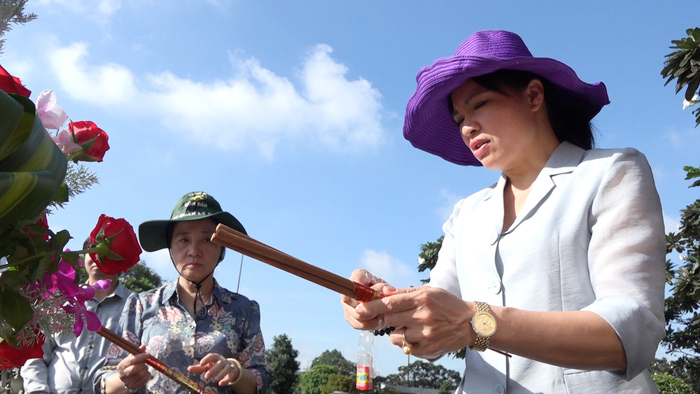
(668, 384)
(683, 64)
(429, 255)
(426, 261)
(282, 362)
(339, 382)
(425, 375)
(138, 278)
(12, 13)
(683, 303)
(315, 378)
(335, 358)
(446, 388)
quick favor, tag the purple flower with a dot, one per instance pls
(76, 295)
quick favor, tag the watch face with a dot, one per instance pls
(484, 324)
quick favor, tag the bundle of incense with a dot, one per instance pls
(232, 239)
(161, 367)
(242, 243)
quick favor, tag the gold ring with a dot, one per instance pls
(407, 347)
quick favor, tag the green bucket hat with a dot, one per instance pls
(192, 206)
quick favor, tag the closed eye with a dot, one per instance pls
(480, 104)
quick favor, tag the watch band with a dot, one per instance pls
(482, 341)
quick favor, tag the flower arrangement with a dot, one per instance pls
(39, 295)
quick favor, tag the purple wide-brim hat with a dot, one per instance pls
(429, 125)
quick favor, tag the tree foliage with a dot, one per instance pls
(683, 64)
(425, 375)
(683, 303)
(339, 382)
(140, 278)
(282, 362)
(335, 358)
(429, 255)
(426, 261)
(668, 384)
(12, 13)
(313, 380)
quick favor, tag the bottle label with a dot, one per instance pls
(364, 380)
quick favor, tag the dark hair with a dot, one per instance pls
(567, 120)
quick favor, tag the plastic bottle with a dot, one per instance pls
(365, 358)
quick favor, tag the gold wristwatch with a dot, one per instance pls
(484, 325)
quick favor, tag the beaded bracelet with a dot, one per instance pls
(240, 370)
(386, 330)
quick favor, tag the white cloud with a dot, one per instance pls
(107, 85)
(254, 108)
(389, 268)
(106, 8)
(345, 111)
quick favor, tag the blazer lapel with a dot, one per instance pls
(563, 161)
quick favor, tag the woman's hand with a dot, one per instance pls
(365, 321)
(432, 321)
(218, 368)
(132, 372)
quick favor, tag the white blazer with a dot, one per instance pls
(589, 237)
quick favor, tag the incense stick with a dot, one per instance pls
(232, 239)
(161, 367)
(242, 243)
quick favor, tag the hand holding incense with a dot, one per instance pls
(160, 366)
(242, 243)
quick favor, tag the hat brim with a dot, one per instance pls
(428, 123)
(153, 234)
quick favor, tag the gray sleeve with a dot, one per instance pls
(34, 372)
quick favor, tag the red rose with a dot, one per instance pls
(43, 222)
(10, 84)
(116, 244)
(11, 357)
(92, 138)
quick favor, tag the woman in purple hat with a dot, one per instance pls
(559, 267)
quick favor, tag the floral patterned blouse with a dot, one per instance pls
(158, 319)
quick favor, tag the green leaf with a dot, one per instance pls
(59, 241)
(32, 167)
(15, 309)
(62, 193)
(692, 88)
(72, 257)
(42, 267)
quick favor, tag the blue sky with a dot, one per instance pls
(290, 114)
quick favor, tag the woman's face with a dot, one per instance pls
(193, 253)
(499, 128)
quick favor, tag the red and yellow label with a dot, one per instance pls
(364, 380)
